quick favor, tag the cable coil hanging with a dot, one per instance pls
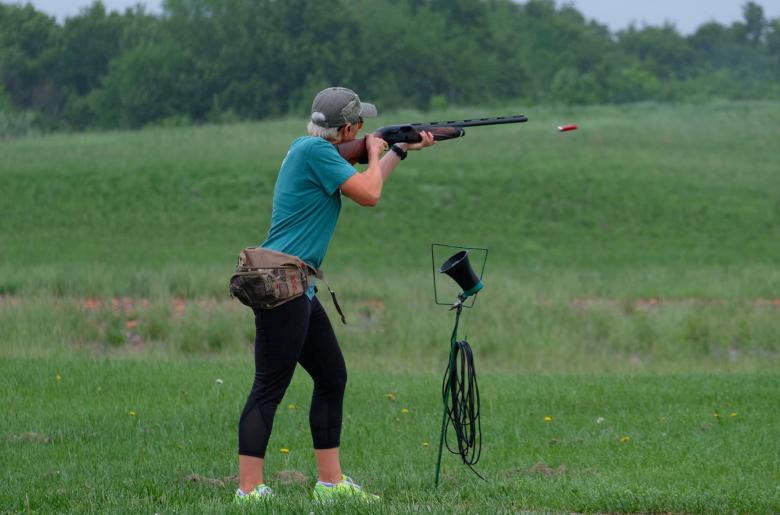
(460, 394)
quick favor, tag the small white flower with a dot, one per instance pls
(219, 381)
(600, 420)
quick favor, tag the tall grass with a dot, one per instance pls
(513, 326)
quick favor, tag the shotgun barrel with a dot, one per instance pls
(476, 122)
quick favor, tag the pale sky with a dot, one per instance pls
(687, 15)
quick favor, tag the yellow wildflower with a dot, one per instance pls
(624, 439)
(405, 411)
(733, 414)
(131, 413)
(291, 406)
(284, 450)
(390, 396)
(425, 444)
(58, 377)
(548, 418)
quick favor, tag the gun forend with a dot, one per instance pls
(411, 133)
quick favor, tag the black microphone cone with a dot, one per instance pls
(459, 269)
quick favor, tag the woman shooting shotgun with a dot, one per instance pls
(306, 206)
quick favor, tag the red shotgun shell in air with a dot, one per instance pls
(566, 128)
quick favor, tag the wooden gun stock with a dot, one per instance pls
(354, 151)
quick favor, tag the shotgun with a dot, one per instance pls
(355, 151)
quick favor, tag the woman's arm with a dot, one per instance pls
(366, 188)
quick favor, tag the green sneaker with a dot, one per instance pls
(344, 489)
(262, 492)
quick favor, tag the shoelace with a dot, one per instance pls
(348, 480)
(260, 490)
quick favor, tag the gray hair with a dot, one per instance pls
(329, 133)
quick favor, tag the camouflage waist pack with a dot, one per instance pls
(265, 279)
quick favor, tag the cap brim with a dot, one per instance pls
(367, 110)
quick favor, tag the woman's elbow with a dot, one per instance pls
(370, 201)
(363, 196)
(369, 197)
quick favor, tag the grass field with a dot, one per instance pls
(127, 436)
(632, 278)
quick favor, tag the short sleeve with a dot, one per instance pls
(329, 169)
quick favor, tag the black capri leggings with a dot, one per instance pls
(296, 332)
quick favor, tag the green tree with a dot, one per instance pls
(773, 43)
(28, 53)
(573, 88)
(661, 50)
(150, 83)
(632, 83)
(5, 103)
(755, 23)
(89, 42)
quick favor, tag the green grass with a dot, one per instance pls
(674, 186)
(75, 447)
(633, 275)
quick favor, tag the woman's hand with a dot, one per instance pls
(375, 146)
(427, 141)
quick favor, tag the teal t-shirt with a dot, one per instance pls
(307, 200)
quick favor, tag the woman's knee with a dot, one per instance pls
(334, 383)
(342, 379)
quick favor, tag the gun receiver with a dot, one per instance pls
(355, 151)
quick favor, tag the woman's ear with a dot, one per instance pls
(345, 131)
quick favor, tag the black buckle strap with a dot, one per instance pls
(319, 275)
(336, 303)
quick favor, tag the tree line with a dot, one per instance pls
(223, 60)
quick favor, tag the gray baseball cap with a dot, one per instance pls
(334, 107)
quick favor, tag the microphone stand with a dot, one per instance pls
(458, 306)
